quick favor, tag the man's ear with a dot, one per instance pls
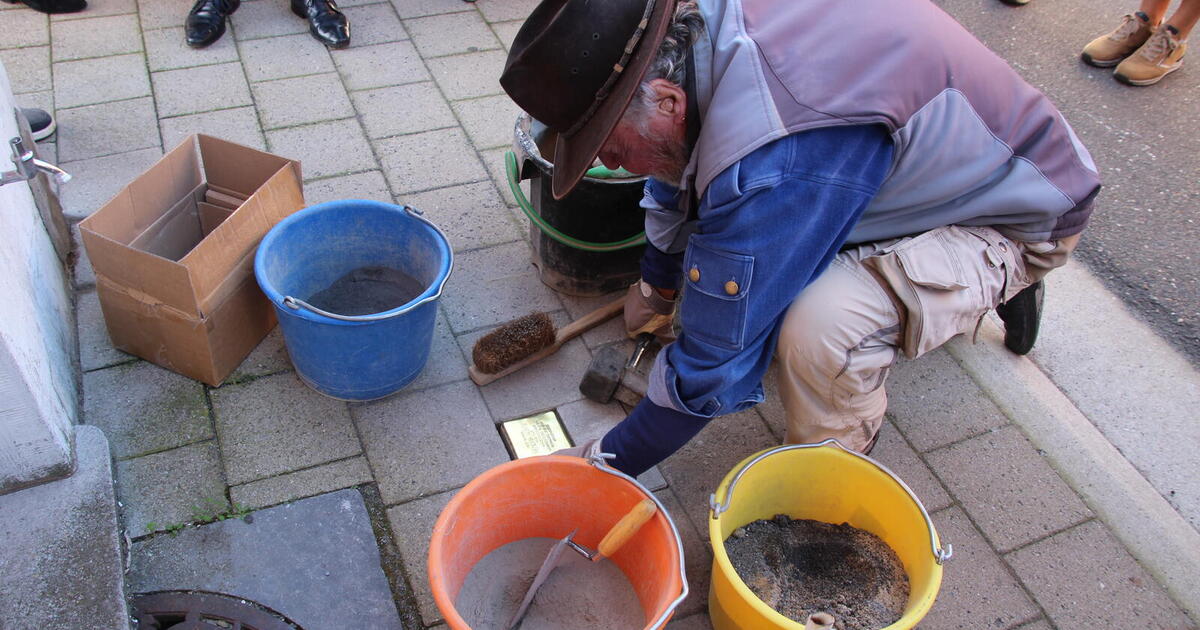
(670, 99)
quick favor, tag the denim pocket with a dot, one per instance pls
(715, 297)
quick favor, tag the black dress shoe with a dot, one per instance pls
(1022, 316)
(206, 21)
(326, 23)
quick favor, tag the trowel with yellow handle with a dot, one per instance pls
(612, 541)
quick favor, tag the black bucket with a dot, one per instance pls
(588, 243)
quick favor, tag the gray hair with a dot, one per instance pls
(671, 61)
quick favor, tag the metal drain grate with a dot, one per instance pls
(192, 610)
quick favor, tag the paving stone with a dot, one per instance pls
(96, 37)
(382, 65)
(95, 349)
(446, 362)
(369, 185)
(489, 121)
(507, 32)
(163, 489)
(469, 76)
(305, 483)
(43, 99)
(471, 215)
(412, 524)
(283, 57)
(276, 424)
(106, 129)
(161, 13)
(503, 10)
(324, 149)
(97, 180)
(1040, 624)
(24, 28)
(415, 8)
(238, 125)
(167, 49)
(697, 556)
(402, 109)
(698, 621)
(290, 102)
(90, 81)
(374, 24)
(977, 589)
(492, 286)
(83, 276)
(143, 408)
(451, 33)
(268, 357)
(48, 151)
(1085, 574)
(1015, 499)
(935, 403)
(432, 159)
(612, 331)
(493, 159)
(201, 89)
(28, 68)
(892, 451)
(256, 20)
(316, 561)
(429, 441)
(98, 8)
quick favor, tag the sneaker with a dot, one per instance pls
(41, 123)
(1022, 316)
(1161, 55)
(1109, 50)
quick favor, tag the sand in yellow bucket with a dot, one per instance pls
(822, 482)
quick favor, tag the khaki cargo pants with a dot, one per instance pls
(846, 329)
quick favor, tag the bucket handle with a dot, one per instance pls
(296, 303)
(939, 554)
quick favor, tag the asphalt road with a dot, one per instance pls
(1146, 143)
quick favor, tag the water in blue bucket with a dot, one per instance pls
(355, 284)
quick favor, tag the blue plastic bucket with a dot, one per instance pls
(353, 357)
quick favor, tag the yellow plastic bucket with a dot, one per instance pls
(827, 483)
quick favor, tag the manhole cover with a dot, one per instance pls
(191, 610)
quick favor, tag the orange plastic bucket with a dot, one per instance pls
(547, 497)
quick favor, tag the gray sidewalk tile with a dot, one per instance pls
(256, 20)
(471, 215)
(106, 129)
(143, 408)
(697, 556)
(451, 33)
(283, 57)
(934, 402)
(469, 76)
(48, 151)
(507, 32)
(493, 159)
(28, 68)
(98, 8)
(492, 286)
(425, 442)
(95, 349)
(893, 452)
(698, 621)
(43, 99)
(977, 590)
(1085, 573)
(24, 28)
(412, 526)
(276, 424)
(324, 149)
(95, 181)
(290, 102)
(445, 364)
(489, 121)
(305, 483)
(382, 65)
(1040, 624)
(504, 10)
(166, 49)
(83, 276)
(374, 24)
(91, 81)
(238, 125)
(268, 357)
(368, 185)
(611, 331)
(95, 37)
(202, 89)
(1007, 488)
(402, 109)
(160, 490)
(162, 13)
(415, 8)
(432, 159)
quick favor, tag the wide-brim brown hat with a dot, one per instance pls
(575, 65)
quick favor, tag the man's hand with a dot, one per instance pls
(649, 309)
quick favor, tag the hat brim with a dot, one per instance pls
(573, 154)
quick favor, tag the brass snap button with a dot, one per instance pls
(731, 287)
(694, 274)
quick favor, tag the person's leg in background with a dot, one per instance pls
(1110, 49)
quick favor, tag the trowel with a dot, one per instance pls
(612, 541)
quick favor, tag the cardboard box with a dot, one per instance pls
(174, 255)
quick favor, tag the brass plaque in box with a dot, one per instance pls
(535, 435)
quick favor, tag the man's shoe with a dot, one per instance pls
(41, 123)
(206, 21)
(1022, 315)
(326, 23)
(1108, 50)
(1161, 55)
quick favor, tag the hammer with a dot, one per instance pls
(604, 373)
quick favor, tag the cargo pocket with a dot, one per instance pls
(715, 294)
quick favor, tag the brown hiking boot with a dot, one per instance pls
(1108, 50)
(1161, 55)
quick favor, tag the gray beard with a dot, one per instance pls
(674, 158)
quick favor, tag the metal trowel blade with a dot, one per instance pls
(548, 565)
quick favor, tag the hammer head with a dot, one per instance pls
(603, 375)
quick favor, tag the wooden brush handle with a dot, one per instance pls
(625, 529)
